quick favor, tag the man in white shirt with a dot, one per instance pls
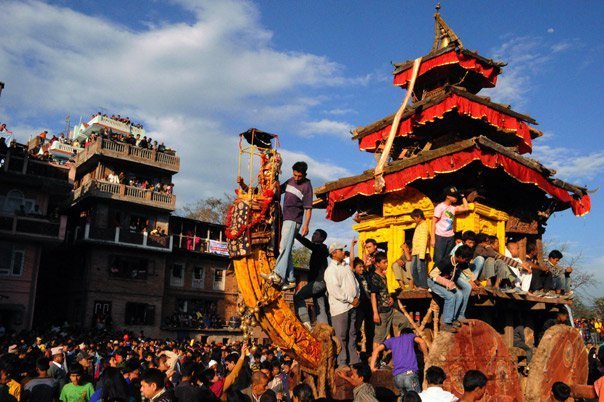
(343, 296)
(435, 377)
(523, 274)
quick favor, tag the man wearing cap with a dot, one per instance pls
(297, 210)
(443, 223)
(56, 369)
(343, 290)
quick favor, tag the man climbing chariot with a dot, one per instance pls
(297, 210)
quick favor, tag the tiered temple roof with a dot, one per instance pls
(450, 135)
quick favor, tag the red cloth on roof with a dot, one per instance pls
(450, 163)
(463, 107)
(466, 61)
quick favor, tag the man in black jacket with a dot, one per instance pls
(315, 286)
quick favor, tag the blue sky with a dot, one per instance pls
(198, 72)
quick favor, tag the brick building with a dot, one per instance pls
(199, 290)
(31, 193)
(111, 270)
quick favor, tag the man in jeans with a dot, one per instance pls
(343, 290)
(404, 360)
(297, 210)
(442, 282)
(315, 287)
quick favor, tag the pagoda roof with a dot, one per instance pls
(434, 107)
(428, 164)
(406, 65)
(471, 61)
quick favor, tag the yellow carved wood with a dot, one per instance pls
(276, 318)
(397, 207)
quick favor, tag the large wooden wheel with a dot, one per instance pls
(560, 356)
(274, 315)
(476, 346)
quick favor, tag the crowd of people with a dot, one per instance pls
(200, 319)
(68, 365)
(154, 185)
(591, 329)
(72, 366)
(125, 120)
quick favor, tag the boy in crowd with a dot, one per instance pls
(560, 275)
(42, 388)
(364, 319)
(404, 359)
(402, 268)
(420, 249)
(371, 249)
(75, 391)
(385, 315)
(474, 386)
(442, 281)
(560, 391)
(522, 274)
(443, 223)
(435, 377)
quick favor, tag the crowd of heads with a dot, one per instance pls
(151, 184)
(125, 367)
(125, 120)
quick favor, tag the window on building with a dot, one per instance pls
(12, 258)
(139, 314)
(219, 276)
(177, 275)
(199, 275)
(129, 267)
(14, 203)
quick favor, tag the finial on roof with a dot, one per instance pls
(443, 34)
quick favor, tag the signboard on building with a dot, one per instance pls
(218, 247)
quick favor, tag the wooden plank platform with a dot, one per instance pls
(479, 295)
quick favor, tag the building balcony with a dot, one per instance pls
(123, 237)
(122, 192)
(35, 228)
(123, 151)
(19, 163)
(200, 245)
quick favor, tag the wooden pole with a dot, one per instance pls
(416, 329)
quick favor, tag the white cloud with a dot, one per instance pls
(339, 112)
(569, 163)
(325, 126)
(194, 85)
(526, 57)
(318, 171)
(550, 30)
